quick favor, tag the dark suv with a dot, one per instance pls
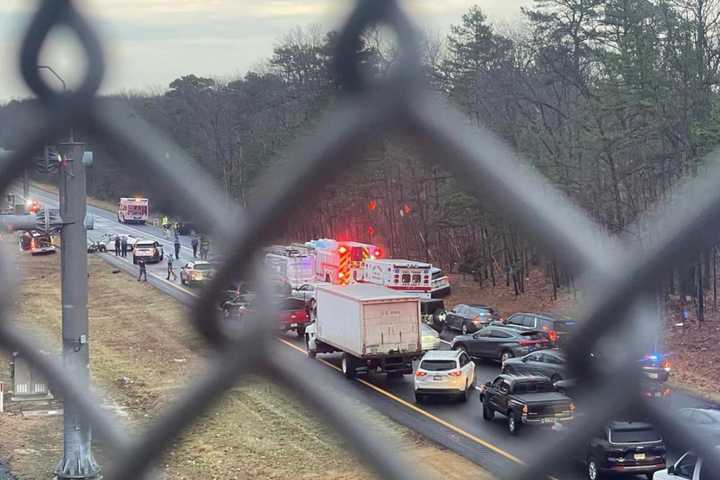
(500, 343)
(625, 448)
(470, 318)
(557, 327)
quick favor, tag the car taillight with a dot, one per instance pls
(525, 343)
(454, 373)
(420, 374)
(292, 316)
(666, 365)
(553, 336)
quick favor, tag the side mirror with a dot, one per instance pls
(671, 470)
(524, 359)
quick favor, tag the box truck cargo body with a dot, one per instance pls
(374, 327)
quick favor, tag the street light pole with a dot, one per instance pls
(77, 461)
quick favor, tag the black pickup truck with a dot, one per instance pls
(525, 400)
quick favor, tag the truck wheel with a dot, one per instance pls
(488, 413)
(348, 366)
(513, 423)
(311, 353)
(301, 331)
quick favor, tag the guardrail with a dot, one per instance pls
(618, 274)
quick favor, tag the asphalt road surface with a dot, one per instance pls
(457, 426)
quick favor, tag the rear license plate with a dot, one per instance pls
(437, 377)
(639, 456)
(547, 420)
(654, 376)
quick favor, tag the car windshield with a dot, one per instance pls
(535, 386)
(203, 266)
(634, 435)
(438, 365)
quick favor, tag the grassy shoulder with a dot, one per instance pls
(143, 354)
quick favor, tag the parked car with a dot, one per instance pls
(550, 363)
(625, 448)
(500, 343)
(525, 400)
(443, 372)
(432, 312)
(687, 467)
(656, 366)
(196, 273)
(429, 338)
(557, 327)
(37, 243)
(470, 318)
(107, 241)
(703, 420)
(149, 250)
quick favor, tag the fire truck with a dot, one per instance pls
(405, 275)
(341, 262)
(133, 210)
(291, 264)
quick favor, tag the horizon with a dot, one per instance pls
(150, 43)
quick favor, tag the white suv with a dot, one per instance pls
(444, 372)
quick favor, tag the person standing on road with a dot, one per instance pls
(177, 245)
(124, 246)
(171, 270)
(195, 244)
(204, 247)
(117, 245)
(143, 270)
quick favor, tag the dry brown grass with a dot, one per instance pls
(143, 353)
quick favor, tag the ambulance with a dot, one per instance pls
(341, 262)
(406, 275)
(133, 210)
(292, 265)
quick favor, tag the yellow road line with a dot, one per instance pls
(425, 413)
(405, 403)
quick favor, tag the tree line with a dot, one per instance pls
(615, 101)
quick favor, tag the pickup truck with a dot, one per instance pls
(530, 400)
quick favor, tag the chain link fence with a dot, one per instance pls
(618, 276)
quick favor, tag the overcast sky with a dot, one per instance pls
(152, 42)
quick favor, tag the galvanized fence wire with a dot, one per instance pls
(617, 274)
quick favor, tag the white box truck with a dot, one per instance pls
(375, 328)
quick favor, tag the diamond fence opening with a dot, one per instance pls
(618, 275)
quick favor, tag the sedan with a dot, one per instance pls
(549, 363)
(501, 343)
(470, 318)
(196, 273)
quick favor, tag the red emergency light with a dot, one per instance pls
(377, 253)
(342, 250)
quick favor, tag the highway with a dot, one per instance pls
(454, 425)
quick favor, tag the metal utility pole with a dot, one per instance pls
(77, 461)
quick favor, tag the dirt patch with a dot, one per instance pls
(538, 296)
(143, 353)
